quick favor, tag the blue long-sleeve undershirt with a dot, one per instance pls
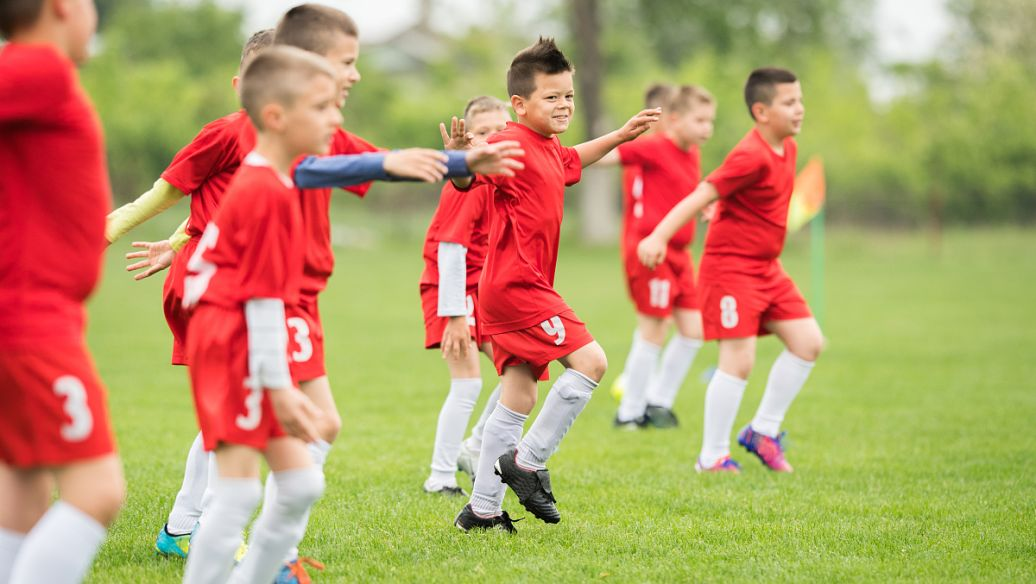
(320, 172)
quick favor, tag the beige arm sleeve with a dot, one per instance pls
(120, 221)
(179, 237)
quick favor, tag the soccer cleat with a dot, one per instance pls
(630, 425)
(467, 520)
(445, 490)
(531, 486)
(294, 572)
(723, 465)
(467, 461)
(170, 545)
(661, 417)
(769, 450)
(619, 387)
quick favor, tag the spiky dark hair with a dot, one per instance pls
(542, 57)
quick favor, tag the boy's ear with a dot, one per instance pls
(518, 104)
(759, 110)
(235, 82)
(272, 115)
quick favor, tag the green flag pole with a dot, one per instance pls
(816, 255)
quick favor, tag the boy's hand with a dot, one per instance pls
(709, 212)
(499, 158)
(295, 413)
(157, 256)
(651, 251)
(455, 338)
(416, 163)
(457, 138)
(640, 123)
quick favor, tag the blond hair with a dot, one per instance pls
(481, 105)
(279, 74)
(688, 97)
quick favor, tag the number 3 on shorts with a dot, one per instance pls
(728, 316)
(82, 421)
(554, 327)
(301, 337)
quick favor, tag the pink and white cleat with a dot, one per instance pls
(723, 465)
(769, 450)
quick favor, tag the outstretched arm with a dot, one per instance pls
(651, 250)
(120, 221)
(592, 151)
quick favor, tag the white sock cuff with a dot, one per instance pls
(11, 538)
(299, 488)
(578, 380)
(790, 357)
(238, 492)
(724, 377)
(76, 521)
(466, 387)
(642, 344)
(688, 342)
(319, 450)
(510, 415)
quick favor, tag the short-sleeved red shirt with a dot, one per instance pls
(669, 174)
(54, 195)
(632, 191)
(754, 185)
(516, 290)
(462, 217)
(254, 246)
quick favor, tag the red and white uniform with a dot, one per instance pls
(527, 319)
(667, 175)
(54, 196)
(253, 248)
(462, 217)
(743, 285)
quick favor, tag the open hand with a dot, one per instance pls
(651, 251)
(456, 338)
(499, 158)
(709, 212)
(296, 414)
(416, 163)
(640, 123)
(157, 256)
(457, 138)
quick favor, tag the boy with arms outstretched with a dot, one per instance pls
(744, 290)
(54, 193)
(669, 164)
(529, 323)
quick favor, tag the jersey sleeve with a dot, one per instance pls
(33, 86)
(459, 211)
(632, 153)
(573, 166)
(206, 155)
(740, 169)
(267, 240)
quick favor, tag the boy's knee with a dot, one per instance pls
(103, 503)
(809, 349)
(596, 365)
(330, 425)
(298, 490)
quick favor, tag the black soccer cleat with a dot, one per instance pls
(661, 417)
(531, 486)
(633, 425)
(467, 520)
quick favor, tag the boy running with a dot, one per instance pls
(744, 291)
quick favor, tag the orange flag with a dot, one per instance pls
(808, 197)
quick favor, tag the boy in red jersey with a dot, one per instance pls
(744, 291)
(529, 323)
(53, 409)
(245, 273)
(454, 253)
(670, 166)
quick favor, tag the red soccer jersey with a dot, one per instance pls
(316, 217)
(54, 195)
(516, 290)
(464, 218)
(669, 174)
(754, 185)
(254, 246)
(632, 191)
(203, 168)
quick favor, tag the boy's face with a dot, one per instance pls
(82, 18)
(485, 124)
(784, 114)
(550, 107)
(694, 126)
(343, 54)
(308, 125)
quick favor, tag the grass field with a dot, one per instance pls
(913, 441)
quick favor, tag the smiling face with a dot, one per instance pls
(343, 52)
(784, 114)
(549, 109)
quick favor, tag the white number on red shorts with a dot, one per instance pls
(301, 336)
(728, 312)
(82, 421)
(470, 307)
(554, 327)
(658, 289)
(196, 284)
(253, 407)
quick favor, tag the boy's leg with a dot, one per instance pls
(465, 385)
(618, 388)
(236, 492)
(282, 523)
(640, 364)
(63, 543)
(24, 498)
(187, 507)
(676, 359)
(789, 373)
(723, 397)
(474, 442)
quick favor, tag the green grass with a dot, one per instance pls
(913, 441)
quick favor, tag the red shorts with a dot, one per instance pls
(540, 344)
(228, 409)
(176, 316)
(53, 407)
(739, 298)
(434, 324)
(670, 285)
(305, 340)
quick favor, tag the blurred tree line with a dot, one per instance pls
(954, 144)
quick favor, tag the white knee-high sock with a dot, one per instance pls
(218, 537)
(503, 430)
(676, 360)
(787, 376)
(566, 400)
(188, 504)
(319, 451)
(722, 399)
(10, 543)
(640, 363)
(474, 442)
(449, 433)
(281, 524)
(60, 548)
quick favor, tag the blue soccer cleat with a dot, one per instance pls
(294, 572)
(170, 545)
